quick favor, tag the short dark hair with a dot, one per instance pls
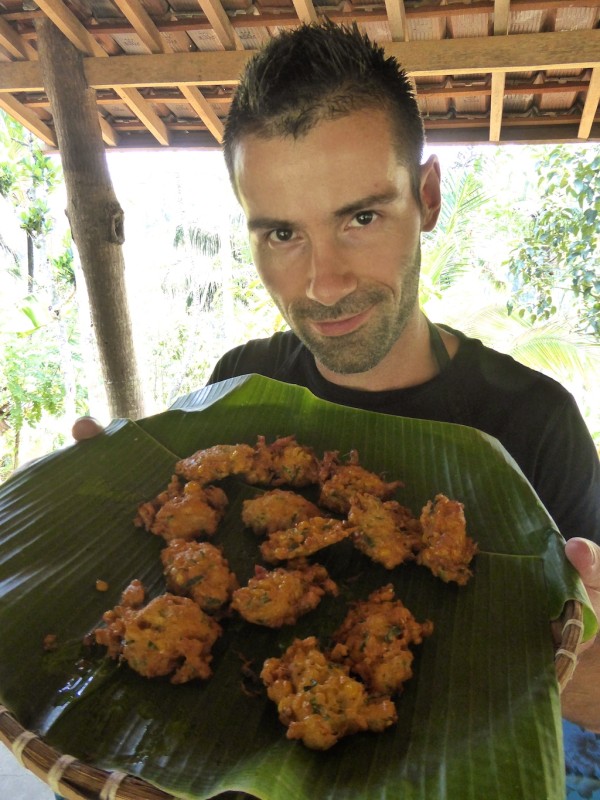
(321, 71)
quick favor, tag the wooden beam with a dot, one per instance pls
(447, 89)
(20, 48)
(496, 106)
(522, 53)
(109, 134)
(28, 118)
(214, 68)
(396, 13)
(306, 11)
(70, 26)
(143, 24)
(427, 10)
(202, 107)
(501, 17)
(67, 23)
(221, 24)
(144, 111)
(14, 44)
(519, 53)
(150, 35)
(591, 105)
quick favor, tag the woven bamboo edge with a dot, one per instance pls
(565, 658)
(75, 780)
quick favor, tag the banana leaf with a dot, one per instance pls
(479, 719)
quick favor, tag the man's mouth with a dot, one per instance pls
(340, 327)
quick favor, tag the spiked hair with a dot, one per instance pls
(317, 72)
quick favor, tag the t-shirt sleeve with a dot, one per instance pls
(567, 473)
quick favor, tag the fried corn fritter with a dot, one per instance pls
(340, 482)
(147, 511)
(215, 463)
(385, 531)
(374, 641)
(277, 510)
(198, 570)
(281, 596)
(304, 539)
(318, 701)
(196, 511)
(111, 636)
(291, 464)
(169, 636)
(447, 550)
(282, 462)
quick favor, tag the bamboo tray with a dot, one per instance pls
(74, 780)
(491, 675)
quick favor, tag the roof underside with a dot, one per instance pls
(164, 70)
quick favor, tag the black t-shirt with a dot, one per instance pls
(533, 416)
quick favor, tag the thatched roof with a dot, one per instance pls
(164, 70)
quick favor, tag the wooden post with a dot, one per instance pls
(94, 214)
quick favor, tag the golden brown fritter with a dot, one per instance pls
(447, 550)
(111, 636)
(215, 463)
(318, 700)
(147, 511)
(340, 482)
(304, 539)
(194, 513)
(133, 595)
(169, 636)
(277, 510)
(384, 530)
(200, 571)
(281, 596)
(292, 464)
(374, 640)
(283, 462)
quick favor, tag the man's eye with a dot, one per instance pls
(281, 235)
(364, 218)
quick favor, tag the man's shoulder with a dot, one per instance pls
(257, 356)
(477, 362)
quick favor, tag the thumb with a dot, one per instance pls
(584, 555)
(86, 428)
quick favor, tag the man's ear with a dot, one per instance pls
(431, 195)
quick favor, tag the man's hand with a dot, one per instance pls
(585, 557)
(86, 428)
(581, 697)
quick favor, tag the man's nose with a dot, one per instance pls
(330, 277)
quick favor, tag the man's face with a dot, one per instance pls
(335, 235)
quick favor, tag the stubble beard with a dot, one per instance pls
(363, 349)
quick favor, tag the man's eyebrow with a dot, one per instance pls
(365, 202)
(273, 223)
(268, 223)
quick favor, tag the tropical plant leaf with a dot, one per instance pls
(481, 717)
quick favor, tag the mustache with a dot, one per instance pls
(348, 306)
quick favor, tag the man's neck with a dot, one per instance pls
(410, 362)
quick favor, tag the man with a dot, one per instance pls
(324, 146)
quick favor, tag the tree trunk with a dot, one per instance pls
(94, 214)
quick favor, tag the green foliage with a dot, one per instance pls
(63, 269)
(450, 250)
(31, 379)
(206, 243)
(558, 259)
(39, 341)
(8, 178)
(36, 219)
